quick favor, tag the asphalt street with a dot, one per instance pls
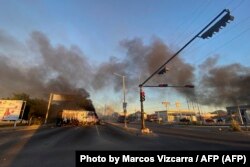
(56, 146)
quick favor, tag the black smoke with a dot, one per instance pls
(224, 85)
(55, 69)
(37, 67)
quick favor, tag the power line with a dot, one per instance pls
(239, 4)
(224, 44)
(220, 35)
(199, 13)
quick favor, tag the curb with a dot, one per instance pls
(133, 131)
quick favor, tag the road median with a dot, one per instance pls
(132, 130)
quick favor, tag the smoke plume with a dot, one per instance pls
(55, 69)
(224, 85)
(37, 67)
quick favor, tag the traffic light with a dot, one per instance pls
(164, 70)
(142, 96)
(218, 25)
(189, 86)
(163, 85)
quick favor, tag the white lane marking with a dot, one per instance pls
(97, 130)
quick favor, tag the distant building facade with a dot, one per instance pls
(137, 116)
(244, 110)
(170, 116)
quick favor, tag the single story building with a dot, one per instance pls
(241, 111)
(176, 115)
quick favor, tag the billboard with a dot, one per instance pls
(10, 110)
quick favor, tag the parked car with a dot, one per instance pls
(220, 120)
(184, 120)
(209, 120)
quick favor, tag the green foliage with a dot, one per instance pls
(38, 107)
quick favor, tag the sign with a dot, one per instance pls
(124, 105)
(10, 109)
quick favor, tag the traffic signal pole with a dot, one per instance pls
(142, 111)
(197, 35)
(171, 58)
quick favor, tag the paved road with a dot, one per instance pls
(55, 146)
(201, 138)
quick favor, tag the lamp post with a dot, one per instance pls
(124, 98)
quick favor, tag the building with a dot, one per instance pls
(241, 113)
(176, 115)
(137, 116)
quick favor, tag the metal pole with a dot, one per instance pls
(124, 102)
(23, 108)
(142, 111)
(240, 114)
(187, 104)
(47, 113)
(105, 114)
(197, 35)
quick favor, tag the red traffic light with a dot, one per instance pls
(142, 96)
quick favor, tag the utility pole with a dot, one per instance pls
(240, 116)
(187, 104)
(198, 108)
(48, 108)
(124, 104)
(142, 109)
(166, 103)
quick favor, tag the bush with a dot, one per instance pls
(235, 126)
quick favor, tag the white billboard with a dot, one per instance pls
(10, 110)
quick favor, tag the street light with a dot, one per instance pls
(124, 98)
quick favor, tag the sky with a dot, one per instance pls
(100, 37)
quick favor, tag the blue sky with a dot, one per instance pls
(98, 26)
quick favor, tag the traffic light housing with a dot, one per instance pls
(189, 86)
(163, 71)
(218, 25)
(142, 95)
(163, 85)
